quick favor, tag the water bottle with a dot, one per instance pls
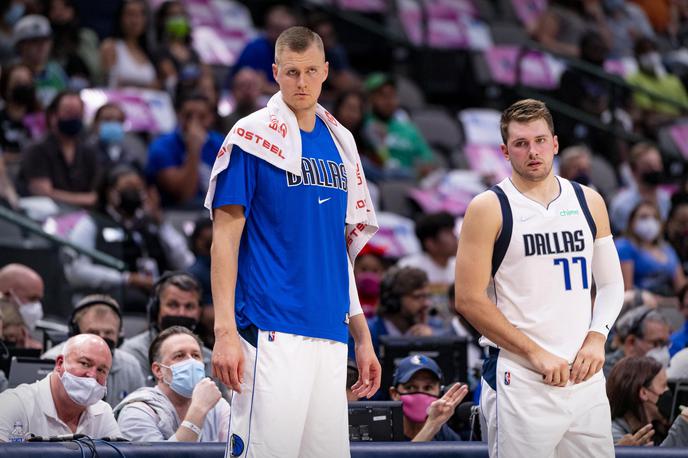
(17, 434)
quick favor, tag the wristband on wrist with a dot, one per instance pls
(187, 424)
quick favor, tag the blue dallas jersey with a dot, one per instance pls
(293, 274)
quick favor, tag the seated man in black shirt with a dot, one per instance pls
(60, 165)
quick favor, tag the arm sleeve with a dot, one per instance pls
(606, 272)
(354, 302)
(139, 424)
(80, 270)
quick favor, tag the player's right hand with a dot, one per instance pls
(205, 395)
(642, 437)
(555, 370)
(228, 361)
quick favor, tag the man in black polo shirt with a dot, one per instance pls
(60, 165)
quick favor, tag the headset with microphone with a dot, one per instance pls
(89, 301)
(153, 307)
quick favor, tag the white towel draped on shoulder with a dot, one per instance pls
(272, 134)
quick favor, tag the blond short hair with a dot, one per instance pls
(298, 39)
(524, 111)
(639, 150)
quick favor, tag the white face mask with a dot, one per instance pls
(84, 391)
(647, 228)
(661, 355)
(32, 313)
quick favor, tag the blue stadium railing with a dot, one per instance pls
(215, 450)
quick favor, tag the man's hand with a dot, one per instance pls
(228, 360)
(554, 370)
(205, 395)
(194, 137)
(590, 357)
(419, 330)
(369, 371)
(642, 437)
(442, 409)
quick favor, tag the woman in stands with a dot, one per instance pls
(640, 404)
(647, 261)
(125, 58)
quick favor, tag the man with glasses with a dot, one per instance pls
(405, 300)
(642, 332)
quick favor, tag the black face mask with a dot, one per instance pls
(130, 200)
(653, 177)
(183, 321)
(664, 404)
(23, 94)
(111, 345)
(70, 127)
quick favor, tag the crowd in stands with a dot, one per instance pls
(125, 190)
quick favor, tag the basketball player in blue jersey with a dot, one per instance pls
(281, 280)
(529, 250)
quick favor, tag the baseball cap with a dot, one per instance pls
(376, 80)
(408, 366)
(31, 27)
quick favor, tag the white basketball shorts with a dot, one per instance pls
(524, 417)
(293, 399)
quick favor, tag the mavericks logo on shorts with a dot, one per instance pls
(507, 378)
(237, 445)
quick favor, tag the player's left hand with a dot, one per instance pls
(369, 372)
(590, 357)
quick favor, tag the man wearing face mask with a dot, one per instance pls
(643, 332)
(100, 315)
(128, 226)
(653, 77)
(200, 242)
(176, 301)
(61, 165)
(184, 405)
(179, 162)
(23, 286)
(69, 399)
(115, 146)
(648, 173)
(416, 384)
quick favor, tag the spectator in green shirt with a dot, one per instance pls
(400, 149)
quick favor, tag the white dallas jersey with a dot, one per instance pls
(541, 267)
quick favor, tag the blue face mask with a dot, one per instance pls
(111, 132)
(185, 376)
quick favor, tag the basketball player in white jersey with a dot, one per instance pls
(542, 240)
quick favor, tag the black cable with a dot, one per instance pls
(5, 350)
(91, 446)
(76, 441)
(119, 452)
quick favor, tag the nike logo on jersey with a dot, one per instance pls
(526, 218)
(322, 201)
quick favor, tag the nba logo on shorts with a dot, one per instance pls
(271, 336)
(507, 378)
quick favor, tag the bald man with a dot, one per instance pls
(69, 399)
(25, 287)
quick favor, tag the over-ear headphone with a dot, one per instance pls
(88, 301)
(153, 307)
(390, 299)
